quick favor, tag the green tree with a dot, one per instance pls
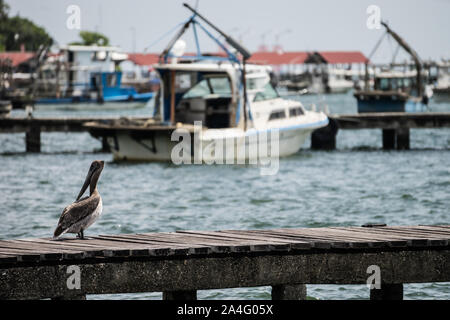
(4, 10)
(17, 30)
(90, 38)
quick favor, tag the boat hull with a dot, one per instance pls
(388, 103)
(157, 146)
(137, 98)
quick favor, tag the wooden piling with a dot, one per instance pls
(387, 292)
(33, 139)
(289, 292)
(396, 139)
(403, 139)
(325, 138)
(105, 145)
(189, 295)
(389, 138)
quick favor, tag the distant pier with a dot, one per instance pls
(181, 263)
(34, 126)
(395, 127)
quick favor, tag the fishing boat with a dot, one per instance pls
(217, 101)
(85, 75)
(395, 91)
(103, 87)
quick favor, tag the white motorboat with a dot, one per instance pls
(222, 109)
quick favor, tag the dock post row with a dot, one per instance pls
(395, 128)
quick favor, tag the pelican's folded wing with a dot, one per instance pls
(77, 211)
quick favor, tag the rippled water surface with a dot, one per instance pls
(356, 184)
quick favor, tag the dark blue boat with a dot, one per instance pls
(395, 91)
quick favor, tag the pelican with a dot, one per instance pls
(79, 215)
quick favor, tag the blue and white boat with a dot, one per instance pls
(393, 90)
(85, 75)
(103, 87)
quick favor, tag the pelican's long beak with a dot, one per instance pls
(86, 184)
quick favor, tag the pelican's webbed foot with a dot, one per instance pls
(80, 235)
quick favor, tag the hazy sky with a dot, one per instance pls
(301, 25)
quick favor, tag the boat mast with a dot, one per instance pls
(413, 54)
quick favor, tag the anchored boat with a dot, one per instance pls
(219, 103)
(395, 91)
(103, 87)
(84, 76)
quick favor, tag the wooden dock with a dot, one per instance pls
(34, 126)
(180, 263)
(395, 127)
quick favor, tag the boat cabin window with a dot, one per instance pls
(204, 96)
(208, 86)
(296, 111)
(404, 84)
(111, 80)
(384, 84)
(268, 92)
(277, 114)
(255, 83)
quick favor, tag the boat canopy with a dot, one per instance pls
(208, 92)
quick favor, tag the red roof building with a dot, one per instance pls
(274, 58)
(343, 57)
(143, 59)
(17, 58)
(278, 58)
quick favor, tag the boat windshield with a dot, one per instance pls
(211, 85)
(268, 92)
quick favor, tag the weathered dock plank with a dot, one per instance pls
(180, 263)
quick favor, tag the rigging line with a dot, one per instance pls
(376, 46)
(165, 35)
(194, 28)
(230, 55)
(395, 54)
(390, 46)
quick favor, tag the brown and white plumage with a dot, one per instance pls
(79, 215)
